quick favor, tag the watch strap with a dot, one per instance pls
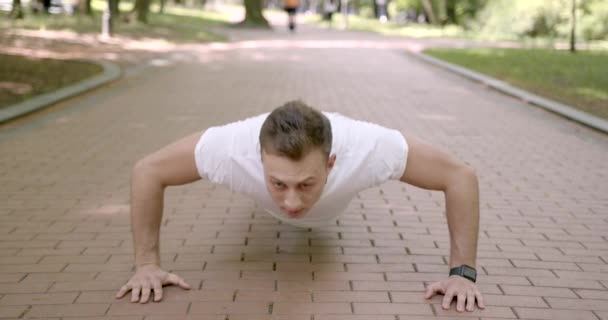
(465, 271)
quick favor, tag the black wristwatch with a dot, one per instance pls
(465, 271)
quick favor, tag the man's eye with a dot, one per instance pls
(279, 184)
(304, 185)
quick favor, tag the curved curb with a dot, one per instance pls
(556, 107)
(110, 73)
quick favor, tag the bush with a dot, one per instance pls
(594, 20)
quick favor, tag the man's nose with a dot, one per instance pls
(292, 201)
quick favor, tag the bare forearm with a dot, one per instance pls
(462, 205)
(146, 214)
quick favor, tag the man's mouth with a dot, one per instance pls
(295, 213)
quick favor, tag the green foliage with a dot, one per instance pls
(508, 19)
(580, 80)
(541, 18)
(594, 20)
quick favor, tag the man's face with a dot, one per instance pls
(295, 186)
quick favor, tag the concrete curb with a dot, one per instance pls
(559, 108)
(110, 73)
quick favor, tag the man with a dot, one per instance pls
(291, 6)
(311, 164)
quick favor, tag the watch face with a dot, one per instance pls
(470, 273)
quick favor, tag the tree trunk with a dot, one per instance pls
(16, 10)
(253, 14)
(428, 10)
(573, 28)
(114, 9)
(141, 9)
(84, 7)
(451, 12)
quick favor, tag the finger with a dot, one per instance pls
(123, 290)
(460, 300)
(447, 299)
(135, 294)
(433, 289)
(145, 293)
(470, 300)
(177, 280)
(479, 300)
(158, 291)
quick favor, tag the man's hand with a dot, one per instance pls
(150, 278)
(456, 286)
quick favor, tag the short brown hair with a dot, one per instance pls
(295, 129)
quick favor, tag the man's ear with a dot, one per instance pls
(331, 162)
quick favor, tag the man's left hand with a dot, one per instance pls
(464, 290)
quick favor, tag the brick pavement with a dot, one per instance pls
(65, 244)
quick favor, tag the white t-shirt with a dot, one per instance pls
(366, 155)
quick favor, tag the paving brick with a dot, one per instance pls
(11, 277)
(229, 308)
(554, 314)
(267, 317)
(74, 259)
(68, 310)
(92, 285)
(351, 296)
(189, 317)
(59, 276)
(24, 287)
(284, 308)
(591, 294)
(352, 317)
(326, 276)
(12, 311)
(14, 268)
(514, 301)
(38, 298)
(566, 283)
(578, 304)
(49, 251)
(274, 296)
(312, 285)
(166, 308)
(489, 312)
(392, 308)
(538, 291)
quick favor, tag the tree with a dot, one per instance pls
(573, 28)
(84, 7)
(140, 10)
(429, 11)
(16, 10)
(114, 8)
(253, 14)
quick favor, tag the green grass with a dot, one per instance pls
(24, 77)
(579, 80)
(176, 24)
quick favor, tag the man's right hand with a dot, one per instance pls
(149, 278)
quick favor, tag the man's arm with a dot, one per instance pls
(429, 168)
(169, 166)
